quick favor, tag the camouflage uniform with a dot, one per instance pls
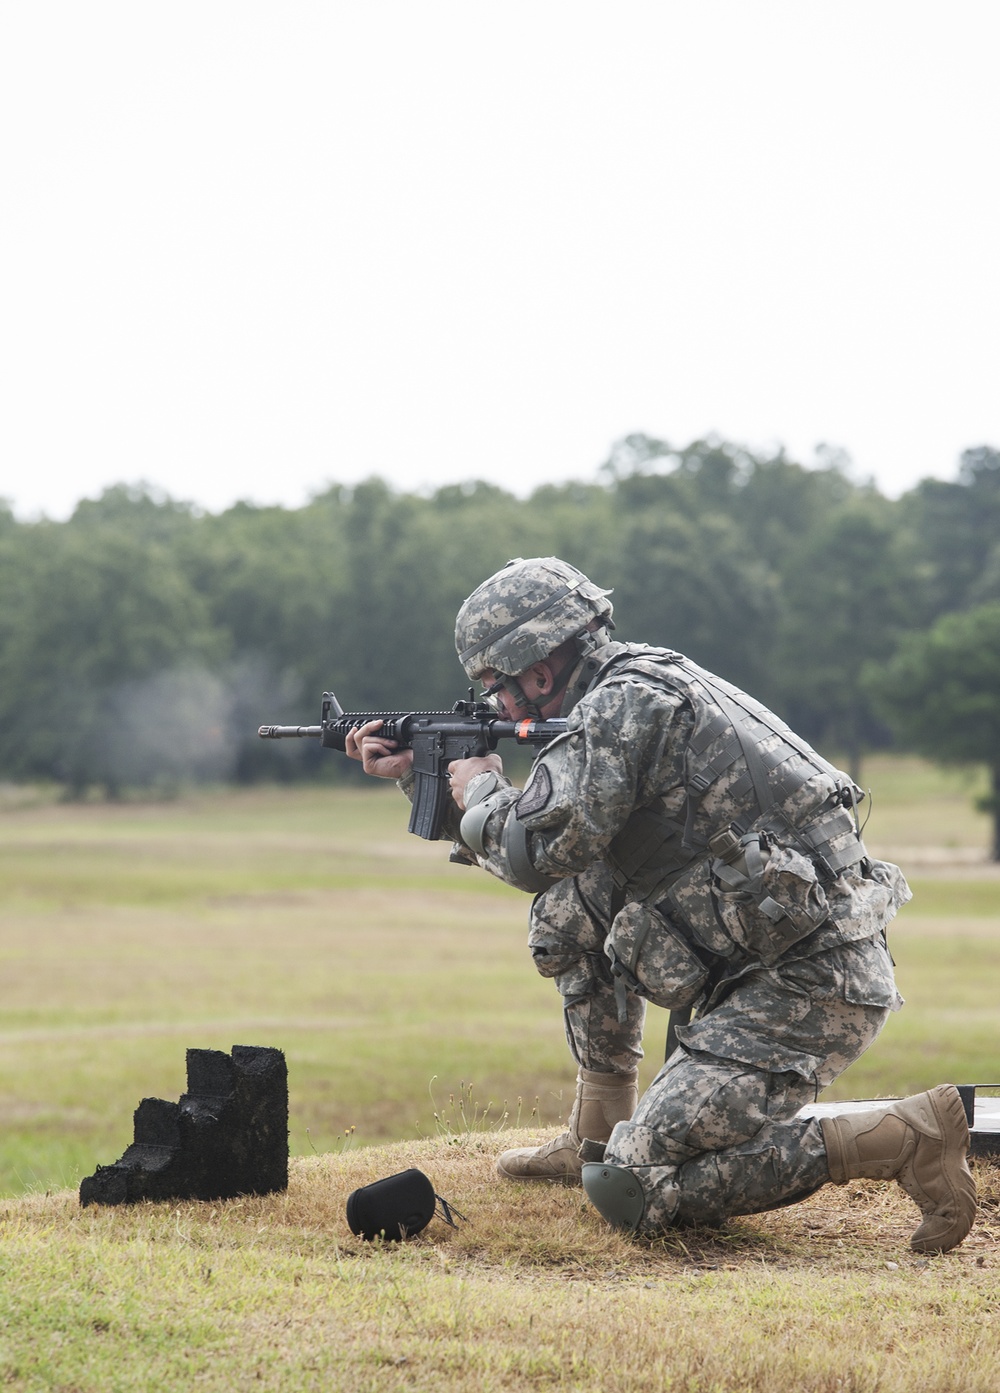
(773, 933)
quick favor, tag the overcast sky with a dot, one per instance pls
(251, 248)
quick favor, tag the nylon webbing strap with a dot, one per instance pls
(833, 838)
(781, 784)
(715, 726)
(755, 765)
(760, 713)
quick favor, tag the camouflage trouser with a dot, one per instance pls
(569, 924)
(716, 1132)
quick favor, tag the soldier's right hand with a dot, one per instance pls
(379, 757)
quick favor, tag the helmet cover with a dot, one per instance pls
(522, 613)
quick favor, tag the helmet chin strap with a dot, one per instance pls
(533, 708)
(587, 643)
(521, 699)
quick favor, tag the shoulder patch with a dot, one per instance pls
(537, 793)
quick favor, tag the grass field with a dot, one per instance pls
(311, 921)
(400, 990)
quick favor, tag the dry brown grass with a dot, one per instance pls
(534, 1291)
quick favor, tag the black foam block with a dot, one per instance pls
(227, 1136)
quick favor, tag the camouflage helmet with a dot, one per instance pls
(524, 612)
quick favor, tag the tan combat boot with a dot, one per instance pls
(922, 1143)
(601, 1101)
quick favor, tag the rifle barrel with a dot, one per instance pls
(285, 732)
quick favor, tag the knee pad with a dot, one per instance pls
(615, 1193)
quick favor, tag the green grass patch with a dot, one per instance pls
(915, 805)
(943, 898)
(400, 989)
(308, 919)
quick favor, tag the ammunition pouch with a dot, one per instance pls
(653, 957)
(750, 897)
(768, 896)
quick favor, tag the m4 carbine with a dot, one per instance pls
(468, 731)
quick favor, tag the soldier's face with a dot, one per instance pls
(505, 702)
(537, 683)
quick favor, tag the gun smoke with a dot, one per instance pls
(187, 725)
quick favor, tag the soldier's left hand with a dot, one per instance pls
(378, 756)
(460, 771)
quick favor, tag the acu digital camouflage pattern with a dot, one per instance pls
(715, 1133)
(521, 614)
(786, 1003)
(569, 924)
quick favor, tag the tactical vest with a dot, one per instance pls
(739, 746)
(739, 876)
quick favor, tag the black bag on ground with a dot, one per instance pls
(397, 1207)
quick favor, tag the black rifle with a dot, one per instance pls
(469, 730)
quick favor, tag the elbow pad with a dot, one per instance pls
(482, 801)
(480, 804)
(514, 850)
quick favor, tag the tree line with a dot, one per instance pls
(142, 641)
